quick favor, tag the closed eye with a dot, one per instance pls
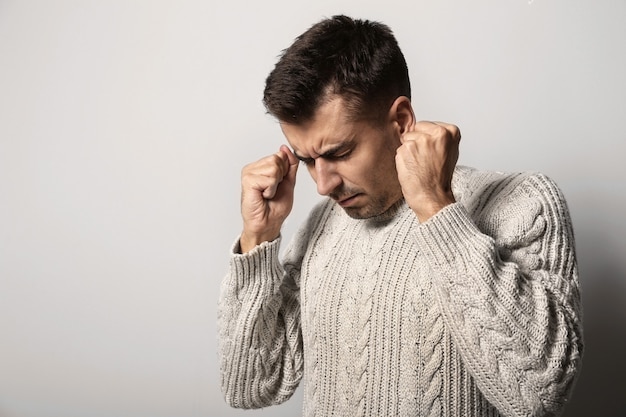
(341, 152)
(338, 154)
(307, 161)
(343, 156)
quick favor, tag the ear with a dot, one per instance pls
(401, 115)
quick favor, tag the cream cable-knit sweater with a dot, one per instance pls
(475, 312)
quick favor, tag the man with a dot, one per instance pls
(417, 288)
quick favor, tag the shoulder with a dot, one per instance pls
(478, 190)
(509, 205)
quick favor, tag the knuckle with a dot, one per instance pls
(278, 163)
(452, 131)
(247, 171)
(411, 145)
(441, 131)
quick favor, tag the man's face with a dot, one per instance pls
(353, 162)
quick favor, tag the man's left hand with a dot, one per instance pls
(425, 163)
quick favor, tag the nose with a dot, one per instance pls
(326, 177)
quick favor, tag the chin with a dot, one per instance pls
(362, 213)
(380, 210)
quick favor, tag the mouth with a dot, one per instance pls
(347, 202)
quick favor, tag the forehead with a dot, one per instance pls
(330, 126)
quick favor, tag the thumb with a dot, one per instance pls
(293, 164)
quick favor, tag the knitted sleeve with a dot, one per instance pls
(507, 284)
(259, 330)
(260, 335)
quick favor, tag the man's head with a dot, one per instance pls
(355, 59)
(342, 95)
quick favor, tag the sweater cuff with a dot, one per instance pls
(258, 266)
(449, 234)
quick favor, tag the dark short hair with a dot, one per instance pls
(359, 60)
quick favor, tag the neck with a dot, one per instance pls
(388, 214)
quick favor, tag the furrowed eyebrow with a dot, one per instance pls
(329, 154)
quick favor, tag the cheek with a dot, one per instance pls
(382, 174)
(373, 169)
(366, 176)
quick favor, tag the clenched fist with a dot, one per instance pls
(267, 197)
(425, 163)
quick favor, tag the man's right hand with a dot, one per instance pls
(266, 197)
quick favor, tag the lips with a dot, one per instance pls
(347, 201)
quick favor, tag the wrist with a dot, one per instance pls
(428, 207)
(249, 240)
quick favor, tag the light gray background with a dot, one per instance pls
(123, 129)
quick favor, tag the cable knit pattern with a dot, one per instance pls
(474, 313)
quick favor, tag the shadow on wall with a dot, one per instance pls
(601, 387)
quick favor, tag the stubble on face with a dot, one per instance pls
(367, 172)
(377, 205)
(380, 197)
(384, 192)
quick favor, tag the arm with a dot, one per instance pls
(259, 307)
(261, 358)
(507, 284)
(505, 276)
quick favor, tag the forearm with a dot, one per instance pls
(260, 341)
(515, 321)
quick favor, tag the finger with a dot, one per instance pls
(434, 130)
(270, 191)
(294, 162)
(414, 136)
(266, 174)
(290, 156)
(286, 167)
(411, 134)
(282, 162)
(454, 130)
(278, 175)
(423, 129)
